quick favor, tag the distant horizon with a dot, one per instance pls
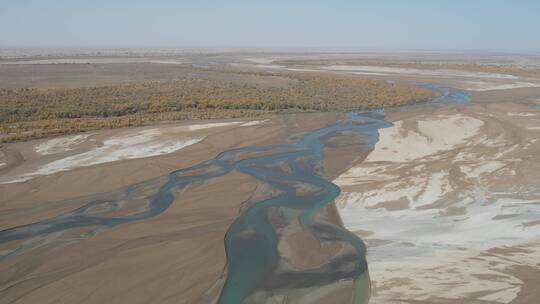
(272, 48)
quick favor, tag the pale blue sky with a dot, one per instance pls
(499, 25)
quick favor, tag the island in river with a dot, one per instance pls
(242, 209)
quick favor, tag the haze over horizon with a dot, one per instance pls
(482, 25)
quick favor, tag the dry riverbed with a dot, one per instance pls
(448, 201)
(176, 256)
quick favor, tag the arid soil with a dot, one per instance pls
(448, 203)
(177, 256)
(448, 200)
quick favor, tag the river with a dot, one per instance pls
(251, 242)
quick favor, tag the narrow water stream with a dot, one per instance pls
(251, 242)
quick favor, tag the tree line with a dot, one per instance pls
(32, 113)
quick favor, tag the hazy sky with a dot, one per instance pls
(504, 25)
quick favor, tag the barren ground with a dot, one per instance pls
(447, 202)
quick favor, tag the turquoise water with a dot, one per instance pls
(251, 241)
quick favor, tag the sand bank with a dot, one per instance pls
(177, 256)
(442, 191)
(83, 150)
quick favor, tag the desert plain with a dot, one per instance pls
(447, 199)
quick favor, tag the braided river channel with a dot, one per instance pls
(292, 171)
